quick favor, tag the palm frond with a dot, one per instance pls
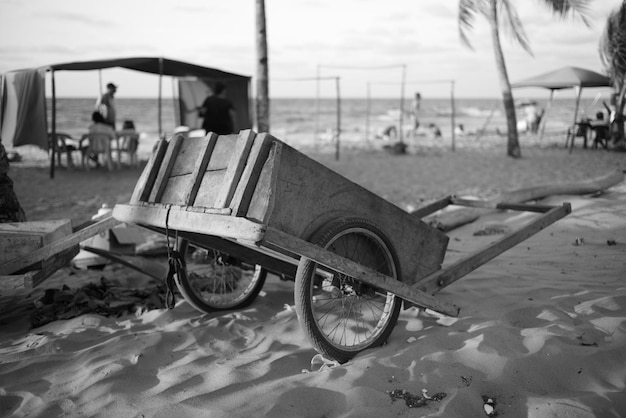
(509, 19)
(564, 8)
(467, 17)
(612, 46)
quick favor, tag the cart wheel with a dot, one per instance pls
(341, 315)
(216, 281)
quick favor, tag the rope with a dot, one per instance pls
(175, 265)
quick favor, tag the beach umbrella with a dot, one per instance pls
(565, 78)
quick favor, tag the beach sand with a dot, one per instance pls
(542, 328)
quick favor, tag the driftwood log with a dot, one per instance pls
(448, 221)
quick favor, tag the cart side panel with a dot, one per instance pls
(163, 175)
(149, 173)
(184, 182)
(305, 195)
(261, 202)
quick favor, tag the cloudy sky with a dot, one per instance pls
(364, 42)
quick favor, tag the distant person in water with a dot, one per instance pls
(106, 105)
(218, 112)
(434, 130)
(416, 111)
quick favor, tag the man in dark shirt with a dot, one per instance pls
(218, 112)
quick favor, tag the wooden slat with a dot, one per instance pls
(235, 168)
(200, 167)
(16, 281)
(166, 168)
(199, 222)
(524, 207)
(245, 188)
(431, 207)
(51, 265)
(358, 271)
(149, 173)
(442, 278)
(55, 247)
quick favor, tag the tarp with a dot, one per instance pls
(153, 65)
(564, 78)
(192, 92)
(238, 88)
(23, 108)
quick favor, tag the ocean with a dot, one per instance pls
(360, 118)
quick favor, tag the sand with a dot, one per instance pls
(542, 329)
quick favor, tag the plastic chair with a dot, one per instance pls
(581, 129)
(99, 143)
(67, 145)
(128, 142)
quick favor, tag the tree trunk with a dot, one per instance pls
(513, 148)
(262, 99)
(619, 141)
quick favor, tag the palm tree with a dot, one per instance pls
(262, 99)
(502, 13)
(613, 57)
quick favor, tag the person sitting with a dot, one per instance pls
(434, 130)
(600, 128)
(99, 137)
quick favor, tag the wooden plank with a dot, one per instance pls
(442, 278)
(149, 173)
(222, 152)
(52, 264)
(199, 168)
(20, 238)
(166, 168)
(431, 207)
(15, 281)
(358, 271)
(211, 183)
(216, 211)
(202, 223)
(522, 207)
(235, 168)
(243, 193)
(271, 261)
(262, 201)
(49, 250)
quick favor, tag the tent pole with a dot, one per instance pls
(100, 82)
(545, 114)
(452, 114)
(177, 116)
(317, 105)
(338, 120)
(578, 91)
(367, 114)
(401, 130)
(160, 93)
(53, 142)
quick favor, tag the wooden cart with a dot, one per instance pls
(241, 205)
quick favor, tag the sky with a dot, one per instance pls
(368, 44)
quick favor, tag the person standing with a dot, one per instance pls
(218, 112)
(416, 111)
(106, 105)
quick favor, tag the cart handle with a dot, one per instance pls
(442, 278)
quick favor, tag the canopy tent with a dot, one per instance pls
(238, 86)
(565, 78)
